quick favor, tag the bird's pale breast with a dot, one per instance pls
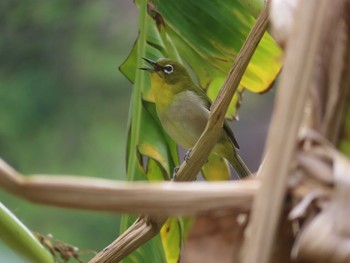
(185, 118)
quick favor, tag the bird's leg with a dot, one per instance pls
(176, 169)
(187, 156)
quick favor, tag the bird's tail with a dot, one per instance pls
(238, 164)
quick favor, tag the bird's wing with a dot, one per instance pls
(227, 127)
(230, 134)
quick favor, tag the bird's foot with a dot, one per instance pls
(187, 156)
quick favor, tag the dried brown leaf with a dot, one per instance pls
(215, 238)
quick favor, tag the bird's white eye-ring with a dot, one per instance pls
(168, 69)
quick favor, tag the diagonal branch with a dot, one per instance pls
(200, 152)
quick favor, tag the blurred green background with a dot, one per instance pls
(64, 106)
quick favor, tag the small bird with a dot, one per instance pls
(183, 109)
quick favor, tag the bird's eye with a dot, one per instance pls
(168, 69)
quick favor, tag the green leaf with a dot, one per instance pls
(153, 142)
(344, 144)
(20, 239)
(150, 154)
(223, 27)
(216, 169)
(171, 239)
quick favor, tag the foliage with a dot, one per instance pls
(205, 36)
(18, 237)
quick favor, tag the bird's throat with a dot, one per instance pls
(163, 93)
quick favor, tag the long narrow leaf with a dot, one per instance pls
(20, 239)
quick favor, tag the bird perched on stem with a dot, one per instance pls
(183, 109)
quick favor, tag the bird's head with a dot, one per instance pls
(168, 71)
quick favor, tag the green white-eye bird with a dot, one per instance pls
(183, 110)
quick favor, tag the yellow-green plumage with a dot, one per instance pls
(183, 109)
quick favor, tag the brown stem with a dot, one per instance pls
(296, 80)
(157, 199)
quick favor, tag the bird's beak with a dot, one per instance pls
(154, 65)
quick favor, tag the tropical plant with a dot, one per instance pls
(303, 180)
